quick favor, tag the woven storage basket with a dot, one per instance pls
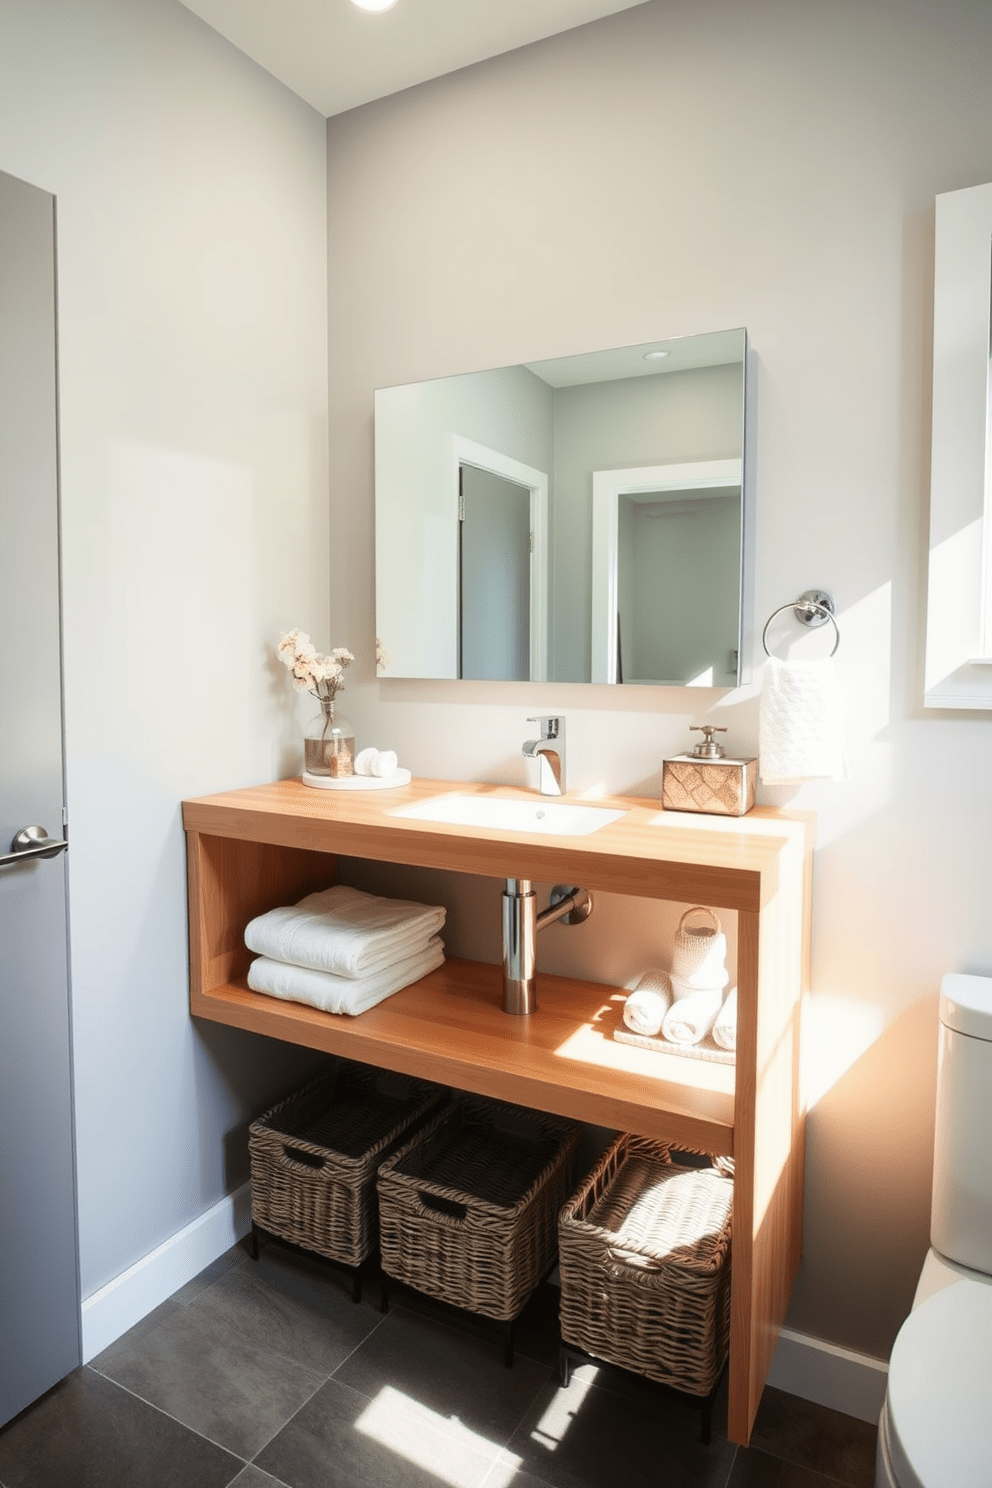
(314, 1157)
(644, 1254)
(468, 1210)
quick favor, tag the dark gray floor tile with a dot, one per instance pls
(814, 1437)
(89, 1433)
(210, 1274)
(292, 1307)
(254, 1477)
(639, 1388)
(536, 1334)
(584, 1437)
(755, 1469)
(341, 1439)
(197, 1368)
(454, 1372)
(504, 1475)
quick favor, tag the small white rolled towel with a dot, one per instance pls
(344, 931)
(800, 722)
(725, 1026)
(381, 762)
(690, 1018)
(645, 1008)
(364, 759)
(337, 994)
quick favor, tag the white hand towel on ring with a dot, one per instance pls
(645, 1008)
(801, 722)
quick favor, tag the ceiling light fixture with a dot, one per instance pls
(374, 4)
(654, 356)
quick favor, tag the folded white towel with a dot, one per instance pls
(645, 1008)
(689, 1019)
(725, 1026)
(337, 994)
(800, 722)
(344, 931)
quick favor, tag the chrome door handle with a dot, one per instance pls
(33, 842)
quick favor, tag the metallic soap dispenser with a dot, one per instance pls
(707, 781)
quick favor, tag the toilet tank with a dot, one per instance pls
(961, 1216)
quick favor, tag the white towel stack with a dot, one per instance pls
(342, 950)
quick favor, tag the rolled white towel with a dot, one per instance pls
(344, 931)
(725, 1027)
(385, 763)
(690, 1018)
(364, 760)
(336, 994)
(645, 1008)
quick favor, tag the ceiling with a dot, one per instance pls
(337, 57)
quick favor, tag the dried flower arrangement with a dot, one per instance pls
(311, 672)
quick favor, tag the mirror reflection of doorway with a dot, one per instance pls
(494, 560)
(675, 625)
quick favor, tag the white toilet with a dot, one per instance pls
(936, 1425)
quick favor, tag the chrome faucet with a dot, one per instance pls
(549, 749)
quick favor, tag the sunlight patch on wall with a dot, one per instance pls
(440, 1445)
(836, 1032)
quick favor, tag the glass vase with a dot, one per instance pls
(329, 743)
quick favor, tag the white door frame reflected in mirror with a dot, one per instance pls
(607, 488)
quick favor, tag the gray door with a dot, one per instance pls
(494, 577)
(39, 1288)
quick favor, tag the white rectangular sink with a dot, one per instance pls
(553, 818)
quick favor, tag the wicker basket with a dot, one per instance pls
(314, 1157)
(468, 1210)
(644, 1253)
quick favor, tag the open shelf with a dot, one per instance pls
(450, 1027)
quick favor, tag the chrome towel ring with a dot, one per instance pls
(813, 607)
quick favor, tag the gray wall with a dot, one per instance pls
(191, 268)
(685, 168)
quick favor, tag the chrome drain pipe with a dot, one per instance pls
(521, 922)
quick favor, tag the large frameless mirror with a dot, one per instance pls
(574, 520)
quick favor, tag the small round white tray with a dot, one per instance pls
(358, 782)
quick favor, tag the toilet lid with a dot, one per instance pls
(939, 1398)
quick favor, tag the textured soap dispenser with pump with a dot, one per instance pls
(706, 780)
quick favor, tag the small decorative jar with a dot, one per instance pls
(707, 781)
(329, 743)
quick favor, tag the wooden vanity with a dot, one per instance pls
(251, 850)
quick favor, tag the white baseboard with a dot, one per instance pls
(120, 1304)
(831, 1376)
